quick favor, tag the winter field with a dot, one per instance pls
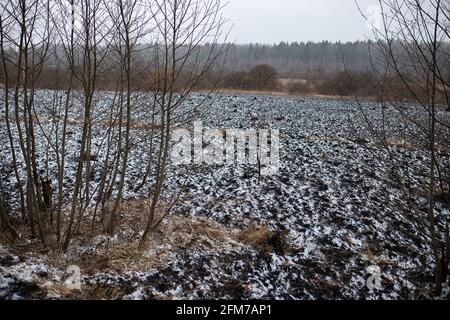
(332, 223)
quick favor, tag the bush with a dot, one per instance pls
(262, 238)
(237, 80)
(261, 77)
(347, 84)
(299, 87)
(264, 77)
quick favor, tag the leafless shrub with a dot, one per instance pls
(261, 237)
(239, 80)
(349, 84)
(150, 54)
(412, 42)
(264, 77)
(299, 87)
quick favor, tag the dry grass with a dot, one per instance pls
(328, 139)
(330, 284)
(135, 124)
(399, 142)
(374, 255)
(5, 237)
(265, 240)
(248, 92)
(122, 258)
(97, 253)
(175, 233)
(255, 235)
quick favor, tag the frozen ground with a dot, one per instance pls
(333, 206)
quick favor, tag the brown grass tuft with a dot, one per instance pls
(262, 238)
(255, 235)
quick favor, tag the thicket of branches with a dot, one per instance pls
(412, 44)
(150, 54)
(261, 77)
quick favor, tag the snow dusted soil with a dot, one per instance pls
(334, 199)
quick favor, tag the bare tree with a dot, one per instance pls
(132, 23)
(264, 77)
(182, 60)
(79, 48)
(28, 39)
(93, 34)
(412, 42)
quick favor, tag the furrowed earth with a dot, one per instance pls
(328, 222)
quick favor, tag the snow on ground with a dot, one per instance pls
(334, 195)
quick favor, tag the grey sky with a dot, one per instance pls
(272, 21)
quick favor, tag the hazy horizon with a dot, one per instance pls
(258, 21)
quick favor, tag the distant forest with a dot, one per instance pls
(302, 60)
(321, 67)
(291, 60)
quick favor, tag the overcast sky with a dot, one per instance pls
(272, 21)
